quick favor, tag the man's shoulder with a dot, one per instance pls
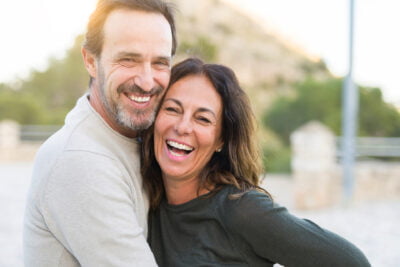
(85, 132)
(68, 137)
(74, 145)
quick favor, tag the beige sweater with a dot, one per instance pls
(86, 205)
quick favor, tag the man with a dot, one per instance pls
(86, 205)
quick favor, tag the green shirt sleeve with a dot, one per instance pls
(273, 233)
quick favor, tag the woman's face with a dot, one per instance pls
(187, 129)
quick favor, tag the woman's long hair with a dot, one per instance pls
(238, 163)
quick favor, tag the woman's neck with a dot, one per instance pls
(182, 191)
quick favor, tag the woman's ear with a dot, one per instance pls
(219, 147)
(90, 62)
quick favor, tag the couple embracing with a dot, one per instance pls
(158, 165)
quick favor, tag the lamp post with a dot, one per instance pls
(349, 118)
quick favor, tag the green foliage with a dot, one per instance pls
(321, 100)
(46, 97)
(202, 47)
(275, 155)
(376, 117)
(20, 108)
(276, 160)
(314, 101)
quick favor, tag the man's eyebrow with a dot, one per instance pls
(164, 58)
(128, 54)
(137, 55)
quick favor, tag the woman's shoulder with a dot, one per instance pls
(236, 196)
(233, 201)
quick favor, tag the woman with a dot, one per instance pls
(201, 168)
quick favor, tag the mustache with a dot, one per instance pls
(135, 89)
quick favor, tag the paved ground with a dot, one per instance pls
(373, 227)
(14, 182)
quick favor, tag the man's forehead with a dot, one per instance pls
(136, 20)
(133, 29)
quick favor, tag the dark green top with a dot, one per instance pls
(249, 231)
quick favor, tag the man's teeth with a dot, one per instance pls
(179, 146)
(140, 99)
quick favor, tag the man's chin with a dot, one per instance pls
(134, 123)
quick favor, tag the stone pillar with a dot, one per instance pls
(9, 134)
(316, 183)
(9, 139)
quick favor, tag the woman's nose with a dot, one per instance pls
(184, 126)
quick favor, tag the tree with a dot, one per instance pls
(321, 100)
(45, 97)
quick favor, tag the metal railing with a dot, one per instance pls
(37, 133)
(374, 147)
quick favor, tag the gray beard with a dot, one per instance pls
(135, 121)
(129, 121)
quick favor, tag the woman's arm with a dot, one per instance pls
(275, 234)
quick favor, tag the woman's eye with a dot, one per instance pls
(204, 120)
(171, 109)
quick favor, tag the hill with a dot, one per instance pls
(266, 65)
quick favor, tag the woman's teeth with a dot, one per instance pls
(175, 148)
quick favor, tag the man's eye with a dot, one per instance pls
(161, 64)
(127, 62)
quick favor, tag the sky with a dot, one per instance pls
(33, 31)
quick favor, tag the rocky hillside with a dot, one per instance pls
(265, 64)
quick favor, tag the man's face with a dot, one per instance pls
(134, 67)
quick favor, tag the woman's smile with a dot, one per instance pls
(178, 150)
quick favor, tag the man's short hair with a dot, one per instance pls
(94, 37)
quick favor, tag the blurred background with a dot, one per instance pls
(290, 56)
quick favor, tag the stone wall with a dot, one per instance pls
(11, 147)
(317, 175)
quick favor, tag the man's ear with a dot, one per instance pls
(90, 62)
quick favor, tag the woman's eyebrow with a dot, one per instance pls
(176, 101)
(201, 109)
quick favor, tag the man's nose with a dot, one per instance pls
(144, 78)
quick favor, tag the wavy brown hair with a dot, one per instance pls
(238, 163)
